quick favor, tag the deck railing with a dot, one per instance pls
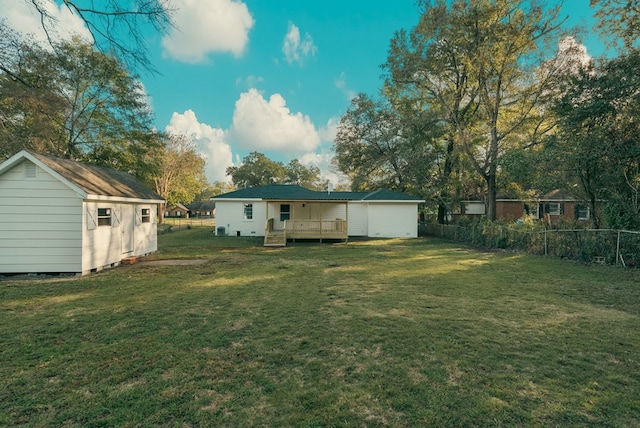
(316, 229)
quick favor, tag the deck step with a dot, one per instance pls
(277, 239)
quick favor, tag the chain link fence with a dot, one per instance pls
(616, 247)
(172, 224)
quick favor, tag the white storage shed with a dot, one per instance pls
(62, 216)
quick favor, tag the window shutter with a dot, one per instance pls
(92, 219)
(117, 213)
(562, 208)
(138, 216)
(546, 208)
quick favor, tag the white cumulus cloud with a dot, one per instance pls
(206, 26)
(341, 84)
(210, 143)
(23, 17)
(572, 56)
(328, 172)
(260, 124)
(296, 49)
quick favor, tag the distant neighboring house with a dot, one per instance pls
(177, 210)
(61, 216)
(284, 212)
(201, 209)
(552, 207)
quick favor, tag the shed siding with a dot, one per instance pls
(389, 220)
(145, 237)
(40, 223)
(127, 236)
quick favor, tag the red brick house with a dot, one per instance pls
(552, 207)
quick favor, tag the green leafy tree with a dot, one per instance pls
(478, 65)
(378, 145)
(215, 189)
(596, 150)
(305, 176)
(179, 171)
(618, 22)
(257, 170)
(78, 104)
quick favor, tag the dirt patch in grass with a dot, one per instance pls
(173, 262)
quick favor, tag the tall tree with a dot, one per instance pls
(179, 171)
(305, 176)
(256, 170)
(597, 147)
(476, 63)
(425, 70)
(378, 145)
(77, 103)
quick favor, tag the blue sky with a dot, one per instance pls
(270, 76)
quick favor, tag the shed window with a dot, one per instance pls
(104, 216)
(285, 212)
(145, 215)
(248, 211)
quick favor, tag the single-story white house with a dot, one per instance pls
(62, 216)
(282, 212)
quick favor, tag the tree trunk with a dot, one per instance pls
(491, 196)
(161, 208)
(442, 214)
(594, 215)
(444, 194)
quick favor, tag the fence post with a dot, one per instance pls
(618, 249)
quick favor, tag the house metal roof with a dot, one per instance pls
(92, 180)
(292, 192)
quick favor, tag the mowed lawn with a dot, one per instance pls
(396, 333)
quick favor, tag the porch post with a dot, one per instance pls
(292, 215)
(321, 204)
(346, 239)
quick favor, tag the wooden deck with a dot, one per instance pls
(305, 229)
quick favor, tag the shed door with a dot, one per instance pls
(127, 228)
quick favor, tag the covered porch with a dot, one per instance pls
(291, 220)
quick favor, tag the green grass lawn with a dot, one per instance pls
(372, 333)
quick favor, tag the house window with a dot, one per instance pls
(582, 212)
(532, 210)
(285, 212)
(146, 215)
(554, 208)
(104, 216)
(248, 211)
